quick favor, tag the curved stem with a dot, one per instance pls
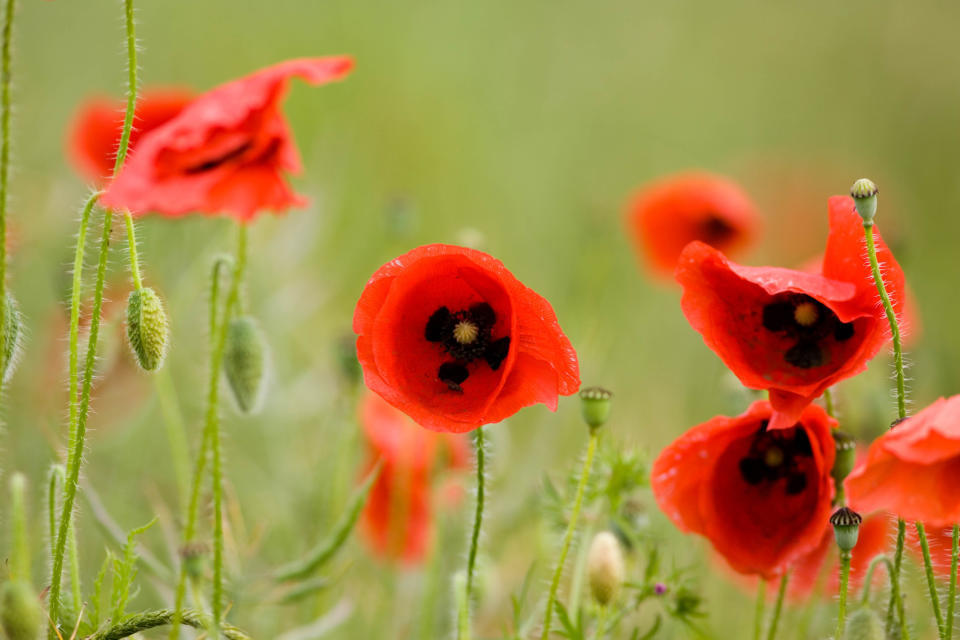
(151, 619)
(778, 607)
(931, 581)
(132, 249)
(5, 74)
(131, 86)
(758, 610)
(952, 592)
(844, 581)
(868, 576)
(463, 625)
(568, 537)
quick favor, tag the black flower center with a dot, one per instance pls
(716, 230)
(808, 322)
(778, 455)
(465, 336)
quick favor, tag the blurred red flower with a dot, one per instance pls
(912, 469)
(397, 520)
(668, 214)
(94, 133)
(762, 498)
(227, 152)
(791, 332)
(454, 340)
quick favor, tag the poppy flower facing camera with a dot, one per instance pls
(791, 332)
(761, 497)
(449, 336)
(227, 152)
(668, 214)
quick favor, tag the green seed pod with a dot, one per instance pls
(595, 406)
(864, 193)
(605, 569)
(846, 446)
(245, 363)
(13, 336)
(147, 329)
(20, 613)
(864, 624)
(846, 528)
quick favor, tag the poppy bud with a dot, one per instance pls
(12, 335)
(245, 363)
(20, 614)
(864, 624)
(864, 193)
(595, 406)
(846, 528)
(846, 447)
(147, 329)
(605, 567)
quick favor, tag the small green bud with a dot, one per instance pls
(147, 329)
(846, 528)
(13, 336)
(864, 193)
(864, 624)
(605, 568)
(245, 363)
(846, 446)
(595, 406)
(194, 557)
(20, 613)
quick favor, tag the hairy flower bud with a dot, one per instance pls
(605, 569)
(20, 613)
(595, 406)
(245, 363)
(864, 624)
(864, 193)
(147, 329)
(12, 334)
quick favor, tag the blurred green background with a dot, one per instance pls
(521, 127)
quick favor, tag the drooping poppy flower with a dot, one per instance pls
(450, 337)
(397, 519)
(668, 214)
(791, 332)
(761, 497)
(912, 469)
(94, 134)
(227, 152)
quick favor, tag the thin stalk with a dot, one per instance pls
(5, 75)
(895, 607)
(463, 624)
(931, 581)
(20, 556)
(828, 401)
(758, 610)
(190, 528)
(844, 582)
(868, 576)
(568, 536)
(778, 607)
(132, 249)
(952, 592)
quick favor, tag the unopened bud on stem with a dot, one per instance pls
(245, 363)
(595, 406)
(605, 568)
(147, 329)
(864, 193)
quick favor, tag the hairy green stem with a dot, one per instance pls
(758, 610)
(463, 626)
(778, 606)
(568, 536)
(952, 591)
(5, 75)
(132, 249)
(844, 581)
(151, 619)
(868, 576)
(931, 581)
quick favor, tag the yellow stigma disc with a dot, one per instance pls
(465, 332)
(773, 457)
(806, 314)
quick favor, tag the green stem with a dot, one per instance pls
(463, 626)
(132, 86)
(828, 400)
(190, 528)
(151, 619)
(75, 591)
(5, 75)
(868, 576)
(778, 607)
(931, 581)
(896, 601)
(132, 248)
(20, 556)
(844, 581)
(571, 528)
(952, 592)
(758, 610)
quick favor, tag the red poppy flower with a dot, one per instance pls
(792, 332)
(761, 497)
(668, 214)
(450, 337)
(397, 519)
(227, 152)
(95, 131)
(912, 470)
